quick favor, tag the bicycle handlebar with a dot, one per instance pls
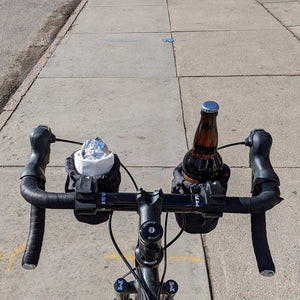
(211, 200)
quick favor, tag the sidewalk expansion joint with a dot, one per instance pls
(207, 266)
(120, 32)
(62, 166)
(222, 30)
(177, 76)
(152, 167)
(106, 77)
(239, 75)
(279, 21)
(131, 5)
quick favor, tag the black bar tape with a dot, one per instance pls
(261, 248)
(35, 238)
(262, 252)
(37, 197)
(263, 179)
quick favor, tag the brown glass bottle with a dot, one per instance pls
(203, 163)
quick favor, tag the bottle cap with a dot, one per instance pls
(210, 107)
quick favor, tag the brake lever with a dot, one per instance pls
(40, 139)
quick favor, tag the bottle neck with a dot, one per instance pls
(206, 137)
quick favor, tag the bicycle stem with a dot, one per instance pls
(149, 252)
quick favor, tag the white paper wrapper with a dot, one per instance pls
(93, 167)
(94, 158)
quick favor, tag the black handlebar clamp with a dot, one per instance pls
(85, 199)
(214, 197)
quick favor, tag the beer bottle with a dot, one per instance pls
(203, 163)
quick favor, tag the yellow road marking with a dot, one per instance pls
(13, 256)
(184, 258)
(169, 258)
(3, 255)
(19, 250)
(116, 256)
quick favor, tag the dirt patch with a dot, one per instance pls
(28, 57)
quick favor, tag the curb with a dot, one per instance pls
(16, 98)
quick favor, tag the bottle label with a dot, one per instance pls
(205, 154)
(187, 178)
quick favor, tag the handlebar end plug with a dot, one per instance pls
(28, 266)
(267, 273)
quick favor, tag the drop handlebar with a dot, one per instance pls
(211, 200)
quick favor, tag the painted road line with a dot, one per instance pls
(12, 256)
(169, 258)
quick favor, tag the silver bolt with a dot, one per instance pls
(151, 229)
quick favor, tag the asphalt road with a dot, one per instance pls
(26, 29)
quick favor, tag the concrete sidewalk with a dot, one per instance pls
(114, 76)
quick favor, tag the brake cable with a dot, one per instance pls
(124, 258)
(178, 235)
(233, 144)
(165, 260)
(131, 177)
(66, 141)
